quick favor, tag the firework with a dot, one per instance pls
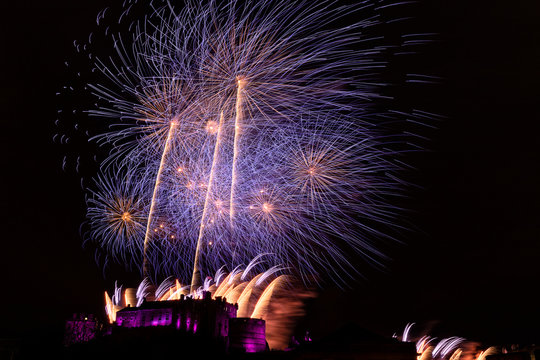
(239, 129)
(451, 348)
(117, 211)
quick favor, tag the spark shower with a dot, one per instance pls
(236, 129)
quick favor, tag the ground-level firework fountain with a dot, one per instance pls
(458, 348)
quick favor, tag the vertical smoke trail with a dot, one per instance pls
(172, 127)
(196, 277)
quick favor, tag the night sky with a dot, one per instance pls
(469, 266)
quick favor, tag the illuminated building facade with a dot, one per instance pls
(205, 317)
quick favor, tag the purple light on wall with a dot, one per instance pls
(195, 326)
(136, 319)
(251, 348)
(247, 335)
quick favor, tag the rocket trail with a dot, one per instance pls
(172, 127)
(196, 277)
(236, 146)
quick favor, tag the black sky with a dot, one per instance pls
(471, 268)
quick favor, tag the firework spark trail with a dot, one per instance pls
(261, 307)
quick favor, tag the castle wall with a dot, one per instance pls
(205, 317)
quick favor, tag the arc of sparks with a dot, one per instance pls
(196, 277)
(261, 308)
(146, 265)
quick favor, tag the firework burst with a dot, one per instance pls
(237, 129)
(117, 211)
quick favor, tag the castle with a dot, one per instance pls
(205, 318)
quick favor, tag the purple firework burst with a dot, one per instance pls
(242, 128)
